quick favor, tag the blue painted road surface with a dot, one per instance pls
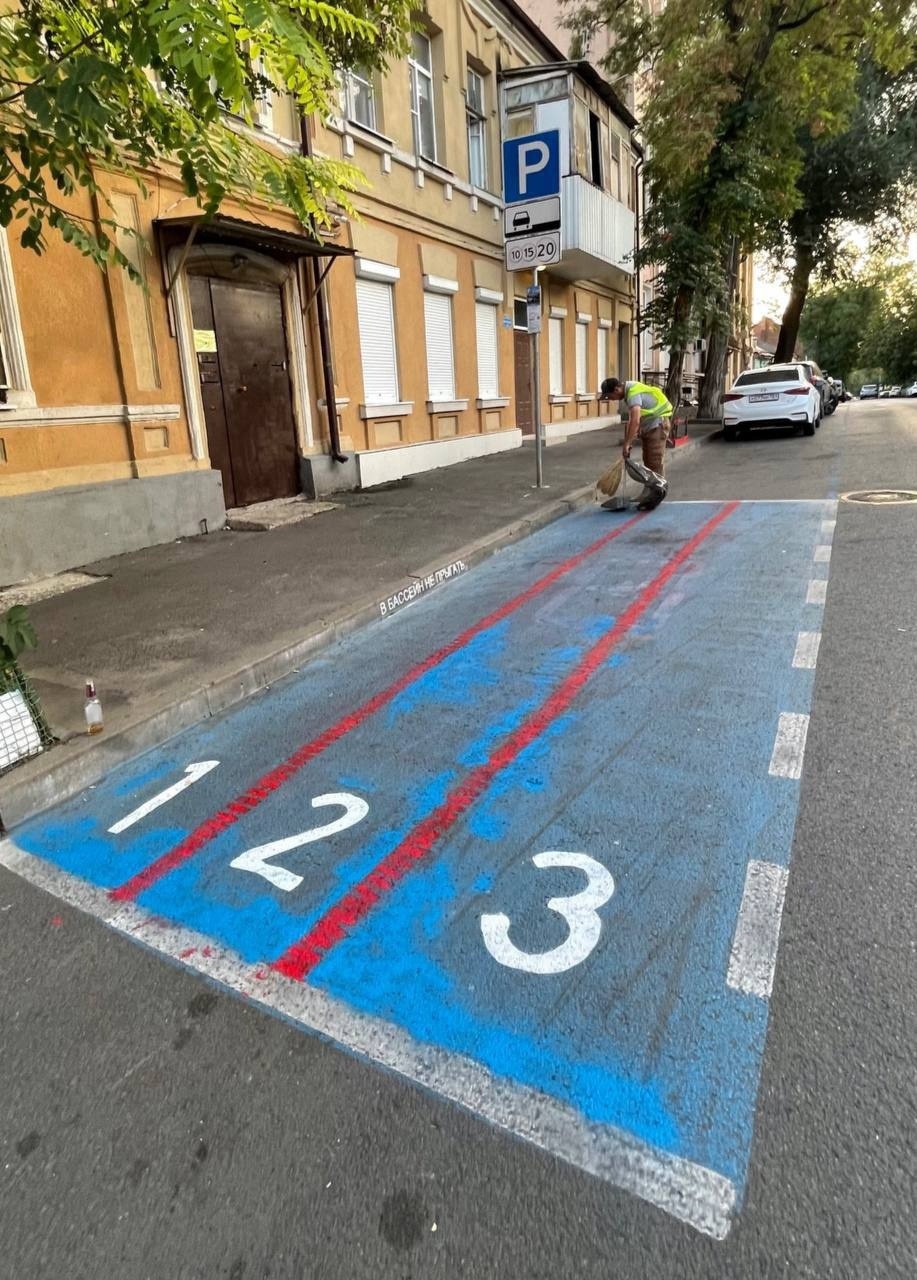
(525, 841)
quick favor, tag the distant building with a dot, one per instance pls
(765, 334)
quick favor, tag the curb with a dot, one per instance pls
(80, 762)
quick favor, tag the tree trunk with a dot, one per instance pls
(684, 300)
(711, 392)
(717, 336)
(799, 288)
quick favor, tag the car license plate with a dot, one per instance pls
(770, 395)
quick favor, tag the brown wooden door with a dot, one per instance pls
(522, 365)
(245, 387)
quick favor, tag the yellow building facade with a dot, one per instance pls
(257, 364)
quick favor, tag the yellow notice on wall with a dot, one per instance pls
(205, 340)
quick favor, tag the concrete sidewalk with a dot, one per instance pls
(176, 633)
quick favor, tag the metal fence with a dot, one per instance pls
(24, 731)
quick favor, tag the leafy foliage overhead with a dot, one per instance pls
(129, 85)
(724, 89)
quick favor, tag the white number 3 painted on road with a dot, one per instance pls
(579, 910)
(355, 810)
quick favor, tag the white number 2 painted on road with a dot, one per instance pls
(256, 860)
(580, 911)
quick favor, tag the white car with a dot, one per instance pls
(780, 395)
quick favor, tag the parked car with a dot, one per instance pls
(822, 383)
(895, 391)
(782, 395)
(869, 391)
(911, 390)
(885, 393)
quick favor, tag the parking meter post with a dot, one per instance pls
(533, 317)
(536, 400)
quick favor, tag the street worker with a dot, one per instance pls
(649, 416)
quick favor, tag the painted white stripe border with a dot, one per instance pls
(689, 1192)
(757, 936)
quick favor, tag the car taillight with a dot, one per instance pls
(733, 395)
(797, 391)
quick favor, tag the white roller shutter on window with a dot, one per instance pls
(582, 361)
(376, 315)
(437, 309)
(485, 316)
(602, 355)
(556, 356)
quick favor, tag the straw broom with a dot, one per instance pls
(610, 481)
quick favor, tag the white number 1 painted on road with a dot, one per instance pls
(255, 860)
(193, 773)
(580, 911)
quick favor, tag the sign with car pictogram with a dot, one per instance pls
(531, 217)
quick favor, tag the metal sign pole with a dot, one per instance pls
(533, 310)
(539, 428)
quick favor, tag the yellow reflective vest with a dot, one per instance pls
(660, 409)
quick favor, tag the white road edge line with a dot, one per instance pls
(754, 944)
(698, 1196)
(789, 745)
(822, 553)
(818, 591)
(806, 655)
(828, 526)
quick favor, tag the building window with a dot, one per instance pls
(520, 123)
(475, 116)
(263, 96)
(485, 319)
(595, 149)
(632, 187)
(556, 356)
(614, 177)
(360, 98)
(423, 116)
(601, 356)
(647, 335)
(582, 358)
(376, 319)
(437, 310)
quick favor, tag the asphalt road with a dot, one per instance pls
(158, 1124)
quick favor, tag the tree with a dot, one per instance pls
(861, 176)
(891, 339)
(740, 80)
(129, 88)
(836, 322)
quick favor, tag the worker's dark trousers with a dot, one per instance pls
(652, 444)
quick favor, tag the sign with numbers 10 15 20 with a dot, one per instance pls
(533, 251)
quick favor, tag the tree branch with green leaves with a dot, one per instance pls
(131, 87)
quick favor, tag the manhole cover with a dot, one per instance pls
(881, 497)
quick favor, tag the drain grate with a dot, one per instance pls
(881, 497)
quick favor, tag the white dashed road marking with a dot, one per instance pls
(754, 944)
(789, 745)
(806, 654)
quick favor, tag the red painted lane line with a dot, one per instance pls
(299, 959)
(250, 799)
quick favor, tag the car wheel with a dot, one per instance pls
(730, 434)
(809, 428)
